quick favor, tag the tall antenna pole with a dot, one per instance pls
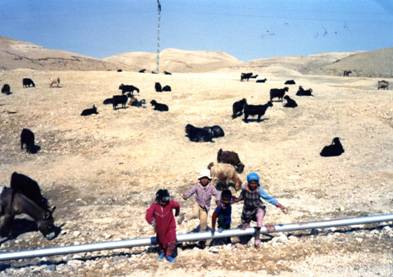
(158, 35)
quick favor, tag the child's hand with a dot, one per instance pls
(284, 209)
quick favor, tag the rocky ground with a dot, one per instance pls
(102, 171)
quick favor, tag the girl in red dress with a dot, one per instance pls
(160, 216)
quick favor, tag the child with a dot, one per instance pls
(203, 190)
(253, 208)
(160, 216)
(223, 213)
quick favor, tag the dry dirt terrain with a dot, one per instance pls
(102, 171)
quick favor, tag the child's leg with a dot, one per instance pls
(195, 210)
(260, 216)
(202, 219)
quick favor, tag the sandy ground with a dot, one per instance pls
(102, 171)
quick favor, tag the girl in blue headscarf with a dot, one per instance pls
(253, 208)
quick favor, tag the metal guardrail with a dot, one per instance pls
(190, 237)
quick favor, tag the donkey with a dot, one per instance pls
(12, 204)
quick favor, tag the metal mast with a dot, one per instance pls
(158, 35)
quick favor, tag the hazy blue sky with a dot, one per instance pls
(247, 29)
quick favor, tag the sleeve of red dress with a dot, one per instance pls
(149, 214)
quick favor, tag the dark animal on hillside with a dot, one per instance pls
(27, 82)
(383, 84)
(89, 111)
(247, 76)
(108, 101)
(347, 73)
(158, 106)
(290, 82)
(166, 88)
(167, 73)
(278, 93)
(259, 110)
(230, 157)
(27, 139)
(302, 92)
(13, 203)
(290, 103)
(21, 183)
(158, 87)
(154, 72)
(334, 149)
(142, 71)
(238, 107)
(128, 88)
(120, 70)
(120, 100)
(261, 80)
(138, 103)
(6, 89)
(198, 134)
(216, 130)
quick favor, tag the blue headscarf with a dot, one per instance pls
(253, 177)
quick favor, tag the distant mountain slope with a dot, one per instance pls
(176, 60)
(302, 64)
(377, 63)
(20, 54)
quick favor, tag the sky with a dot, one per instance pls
(246, 29)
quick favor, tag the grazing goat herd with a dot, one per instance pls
(24, 195)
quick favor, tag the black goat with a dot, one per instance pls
(120, 70)
(89, 111)
(346, 73)
(278, 93)
(158, 106)
(108, 101)
(216, 130)
(139, 103)
(21, 183)
(302, 92)
(120, 100)
(247, 76)
(334, 149)
(261, 80)
(198, 134)
(383, 84)
(238, 107)
(290, 103)
(259, 110)
(167, 73)
(6, 89)
(142, 71)
(167, 88)
(230, 157)
(128, 88)
(158, 87)
(27, 82)
(290, 82)
(27, 139)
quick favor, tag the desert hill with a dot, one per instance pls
(378, 63)
(176, 60)
(19, 54)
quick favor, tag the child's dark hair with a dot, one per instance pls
(226, 195)
(162, 195)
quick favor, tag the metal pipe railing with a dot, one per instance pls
(190, 237)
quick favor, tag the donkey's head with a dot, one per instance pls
(46, 225)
